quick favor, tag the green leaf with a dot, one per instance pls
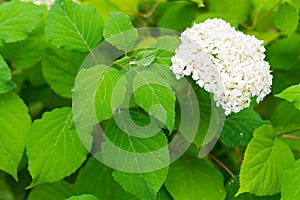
(119, 31)
(146, 157)
(286, 17)
(143, 185)
(120, 194)
(176, 21)
(54, 149)
(266, 159)
(232, 187)
(283, 53)
(5, 191)
(52, 191)
(290, 182)
(231, 9)
(154, 95)
(163, 194)
(95, 178)
(89, 110)
(291, 94)
(17, 20)
(83, 197)
(239, 127)
(108, 79)
(144, 58)
(5, 83)
(106, 7)
(26, 53)
(60, 68)
(15, 124)
(74, 27)
(166, 46)
(198, 2)
(192, 178)
(286, 117)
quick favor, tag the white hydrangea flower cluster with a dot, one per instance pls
(48, 3)
(225, 62)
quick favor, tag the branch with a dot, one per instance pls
(222, 165)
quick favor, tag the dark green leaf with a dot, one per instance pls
(239, 127)
(95, 178)
(83, 197)
(192, 178)
(52, 191)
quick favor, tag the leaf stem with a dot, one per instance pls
(94, 57)
(238, 151)
(222, 165)
(150, 12)
(288, 132)
(291, 137)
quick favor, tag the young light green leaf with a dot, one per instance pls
(60, 68)
(134, 143)
(144, 58)
(143, 185)
(166, 46)
(96, 178)
(154, 95)
(291, 94)
(74, 27)
(15, 124)
(89, 110)
(239, 127)
(119, 31)
(5, 83)
(104, 94)
(18, 19)
(83, 197)
(52, 191)
(139, 151)
(290, 182)
(54, 149)
(199, 2)
(192, 178)
(286, 18)
(266, 159)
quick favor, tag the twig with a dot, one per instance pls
(150, 12)
(288, 132)
(291, 137)
(238, 151)
(222, 165)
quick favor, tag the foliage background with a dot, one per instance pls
(42, 156)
